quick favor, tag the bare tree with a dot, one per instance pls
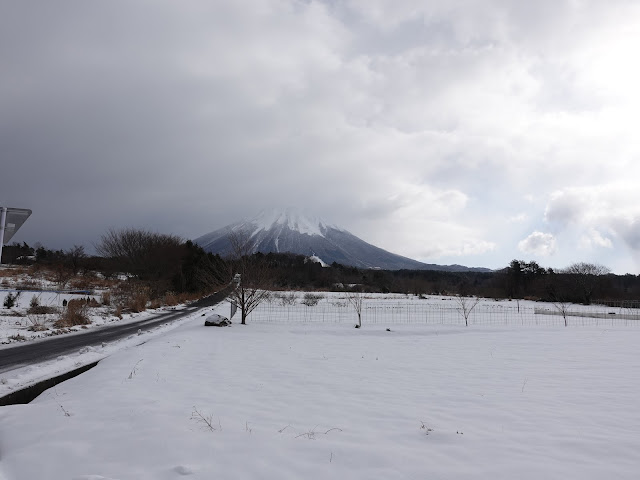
(133, 244)
(75, 256)
(586, 277)
(466, 306)
(355, 298)
(563, 309)
(560, 302)
(62, 275)
(139, 251)
(250, 272)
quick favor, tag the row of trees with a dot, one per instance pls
(165, 259)
(580, 282)
(158, 263)
(74, 258)
(168, 263)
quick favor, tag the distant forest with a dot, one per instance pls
(179, 266)
(519, 279)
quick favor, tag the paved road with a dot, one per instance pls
(29, 353)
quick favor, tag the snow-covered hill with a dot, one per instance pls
(295, 231)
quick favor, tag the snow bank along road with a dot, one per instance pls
(46, 349)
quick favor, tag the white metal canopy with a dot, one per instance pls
(11, 219)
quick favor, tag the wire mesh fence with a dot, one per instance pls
(443, 311)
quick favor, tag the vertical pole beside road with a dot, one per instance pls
(3, 221)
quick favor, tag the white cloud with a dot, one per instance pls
(471, 246)
(612, 207)
(538, 243)
(565, 207)
(593, 239)
(519, 218)
(421, 222)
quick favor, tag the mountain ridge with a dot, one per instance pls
(294, 231)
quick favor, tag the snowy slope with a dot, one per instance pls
(290, 219)
(294, 231)
(271, 231)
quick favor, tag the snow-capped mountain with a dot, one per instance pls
(294, 231)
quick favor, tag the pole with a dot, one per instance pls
(3, 221)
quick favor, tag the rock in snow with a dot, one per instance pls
(216, 320)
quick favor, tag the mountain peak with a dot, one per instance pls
(296, 231)
(292, 218)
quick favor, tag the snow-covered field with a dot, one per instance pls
(17, 326)
(396, 309)
(320, 399)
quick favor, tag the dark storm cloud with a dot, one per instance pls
(104, 121)
(90, 126)
(421, 126)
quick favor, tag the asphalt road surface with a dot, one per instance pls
(40, 351)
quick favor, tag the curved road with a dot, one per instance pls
(29, 353)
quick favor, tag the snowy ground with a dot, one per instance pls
(16, 327)
(17, 379)
(398, 309)
(324, 400)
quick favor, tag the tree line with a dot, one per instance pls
(578, 283)
(168, 263)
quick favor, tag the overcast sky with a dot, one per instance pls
(470, 132)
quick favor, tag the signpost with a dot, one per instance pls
(234, 306)
(11, 219)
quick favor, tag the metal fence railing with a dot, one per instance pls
(445, 311)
